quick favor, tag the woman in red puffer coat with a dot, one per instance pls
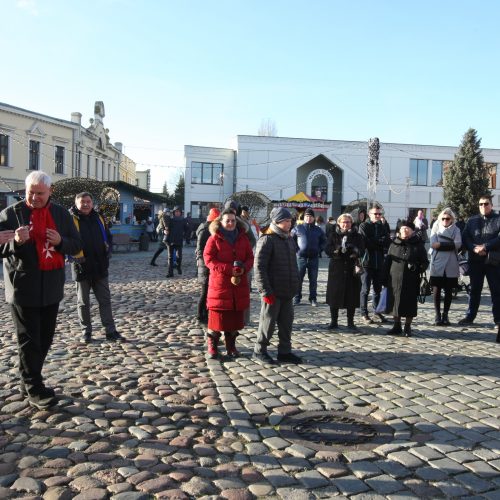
(229, 257)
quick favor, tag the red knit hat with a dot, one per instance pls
(213, 214)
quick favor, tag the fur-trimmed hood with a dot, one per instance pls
(242, 226)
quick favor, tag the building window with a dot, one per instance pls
(200, 209)
(4, 150)
(206, 173)
(418, 172)
(96, 169)
(78, 170)
(34, 161)
(437, 173)
(59, 160)
(88, 166)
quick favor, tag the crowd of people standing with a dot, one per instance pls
(37, 235)
(363, 256)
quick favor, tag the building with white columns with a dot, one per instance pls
(410, 175)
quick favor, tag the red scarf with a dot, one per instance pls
(48, 257)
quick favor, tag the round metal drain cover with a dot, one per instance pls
(321, 430)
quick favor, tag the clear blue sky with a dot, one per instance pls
(201, 72)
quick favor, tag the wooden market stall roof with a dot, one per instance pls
(301, 201)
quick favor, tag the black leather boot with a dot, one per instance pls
(351, 327)
(438, 320)
(334, 323)
(445, 321)
(396, 329)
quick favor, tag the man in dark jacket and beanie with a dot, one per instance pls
(90, 267)
(33, 267)
(311, 241)
(481, 236)
(176, 232)
(377, 240)
(277, 278)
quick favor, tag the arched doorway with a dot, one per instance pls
(322, 180)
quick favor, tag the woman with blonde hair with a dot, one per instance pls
(345, 246)
(445, 242)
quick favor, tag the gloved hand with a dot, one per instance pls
(269, 299)
(238, 271)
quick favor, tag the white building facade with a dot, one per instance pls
(410, 175)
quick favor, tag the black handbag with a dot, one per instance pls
(425, 289)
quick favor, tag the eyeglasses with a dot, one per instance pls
(445, 218)
(485, 204)
(378, 214)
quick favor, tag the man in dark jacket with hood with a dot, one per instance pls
(277, 279)
(176, 232)
(311, 241)
(481, 236)
(377, 240)
(39, 234)
(90, 267)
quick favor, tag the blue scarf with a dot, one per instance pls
(229, 236)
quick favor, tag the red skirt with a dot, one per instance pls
(225, 321)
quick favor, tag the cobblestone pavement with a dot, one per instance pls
(152, 418)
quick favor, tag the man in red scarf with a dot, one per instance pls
(34, 278)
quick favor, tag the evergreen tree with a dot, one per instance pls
(178, 196)
(467, 179)
(165, 188)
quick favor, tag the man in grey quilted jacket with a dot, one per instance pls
(277, 278)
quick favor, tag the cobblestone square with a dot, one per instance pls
(153, 418)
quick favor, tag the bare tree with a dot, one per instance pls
(268, 128)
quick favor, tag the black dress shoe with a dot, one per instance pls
(42, 400)
(263, 357)
(86, 338)
(153, 264)
(407, 330)
(465, 321)
(115, 336)
(45, 391)
(289, 358)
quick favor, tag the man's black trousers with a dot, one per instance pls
(35, 328)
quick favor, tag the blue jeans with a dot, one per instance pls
(478, 271)
(311, 265)
(371, 277)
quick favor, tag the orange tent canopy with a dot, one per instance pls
(299, 197)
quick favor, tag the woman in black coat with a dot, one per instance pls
(405, 261)
(345, 246)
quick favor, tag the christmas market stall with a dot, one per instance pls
(300, 201)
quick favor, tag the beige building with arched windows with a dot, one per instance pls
(62, 148)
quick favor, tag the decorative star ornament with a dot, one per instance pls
(48, 250)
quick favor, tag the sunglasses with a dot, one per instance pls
(484, 204)
(377, 213)
(445, 218)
